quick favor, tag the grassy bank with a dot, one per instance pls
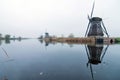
(117, 40)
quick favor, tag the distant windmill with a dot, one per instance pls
(95, 26)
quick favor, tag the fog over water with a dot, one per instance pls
(31, 18)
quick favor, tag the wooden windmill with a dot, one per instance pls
(95, 26)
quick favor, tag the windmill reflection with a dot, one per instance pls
(95, 55)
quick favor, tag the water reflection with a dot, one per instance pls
(8, 41)
(3, 61)
(95, 54)
(31, 61)
(47, 42)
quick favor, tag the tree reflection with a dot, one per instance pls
(8, 41)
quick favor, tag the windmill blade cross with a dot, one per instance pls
(104, 52)
(92, 9)
(91, 71)
(105, 29)
(88, 17)
(87, 28)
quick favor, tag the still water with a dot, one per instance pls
(35, 60)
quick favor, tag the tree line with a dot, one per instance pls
(8, 37)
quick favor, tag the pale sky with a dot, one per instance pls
(31, 18)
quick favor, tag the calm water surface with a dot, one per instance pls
(33, 60)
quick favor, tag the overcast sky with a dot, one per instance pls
(31, 18)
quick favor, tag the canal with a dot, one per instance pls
(37, 60)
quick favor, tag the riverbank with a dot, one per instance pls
(85, 40)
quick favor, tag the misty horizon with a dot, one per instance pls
(32, 18)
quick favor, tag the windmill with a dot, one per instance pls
(95, 26)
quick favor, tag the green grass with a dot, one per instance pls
(117, 40)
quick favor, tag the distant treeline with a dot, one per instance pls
(8, 37)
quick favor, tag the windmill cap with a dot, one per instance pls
(96, 19)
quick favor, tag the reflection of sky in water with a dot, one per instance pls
(31, 60)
